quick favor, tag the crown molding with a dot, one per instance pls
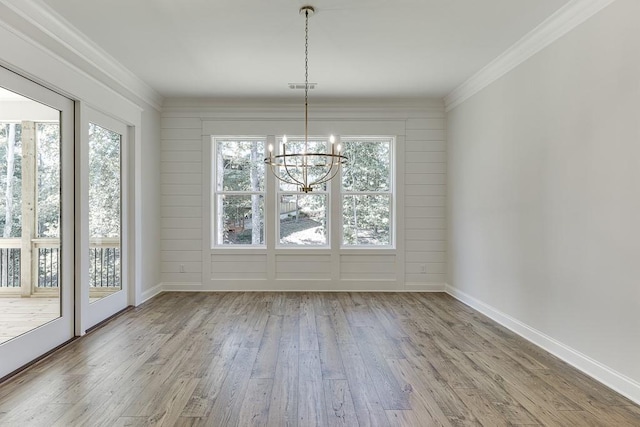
(277, 106)
(88, 56)
(415, 102)
(560, 23)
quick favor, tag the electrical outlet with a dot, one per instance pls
(182, 268)
(423, 268)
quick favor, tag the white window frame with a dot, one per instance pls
(391, 193)
(97, 311)
(334, 192)
(21, 350)
(215, 193)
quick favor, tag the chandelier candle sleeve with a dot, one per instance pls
(306, 170)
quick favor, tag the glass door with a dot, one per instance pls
(36, 221)
(104, 261)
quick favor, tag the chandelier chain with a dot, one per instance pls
(306, 72)
(304, 168)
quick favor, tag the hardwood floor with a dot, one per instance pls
(286, 359)
(20, 315)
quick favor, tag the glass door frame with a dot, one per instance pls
(90, 314)
(21, 350)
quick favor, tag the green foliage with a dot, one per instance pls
(48, 179)
(104, 176)
(366, 219)
(16, 178)
(104, 182)
(369, 166)
(303, 219)
(240, 168)
(243, 169)
(367, 216)
(366, 200)
(297, 146)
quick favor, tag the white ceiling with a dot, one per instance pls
(253, 48)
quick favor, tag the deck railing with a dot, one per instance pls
(104, 264)
(48, 267)
(10, 267)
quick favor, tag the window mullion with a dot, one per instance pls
(336, 220)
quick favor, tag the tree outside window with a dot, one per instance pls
(366, 195)
(239, 191)
(367, 192)
(303, 217)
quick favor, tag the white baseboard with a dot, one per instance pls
(607, 376)
(302, 286)
(150, 293)
(181, 287)
(425, 287)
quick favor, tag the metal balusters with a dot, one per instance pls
(48, 267)
(105, 267)
(10, 267)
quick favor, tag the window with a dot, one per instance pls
(48, 180)
(303, 217)
(367, 196)
(363, 193)
(105, 211)
(238, 191)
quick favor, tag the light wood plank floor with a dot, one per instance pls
(20, 315)
(328, 359)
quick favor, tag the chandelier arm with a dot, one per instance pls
(272, 166)
(287, 182)
(295, 181)
(286, 168)
(337, 169)
(322, 178)
(337, 166)
(277, 175)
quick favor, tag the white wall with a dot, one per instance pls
(150, 202)
(544, 199)
(186, 129)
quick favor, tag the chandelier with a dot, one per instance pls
(307, 169)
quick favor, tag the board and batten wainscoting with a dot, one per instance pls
(418, 261)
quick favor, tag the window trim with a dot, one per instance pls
(272, 191)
